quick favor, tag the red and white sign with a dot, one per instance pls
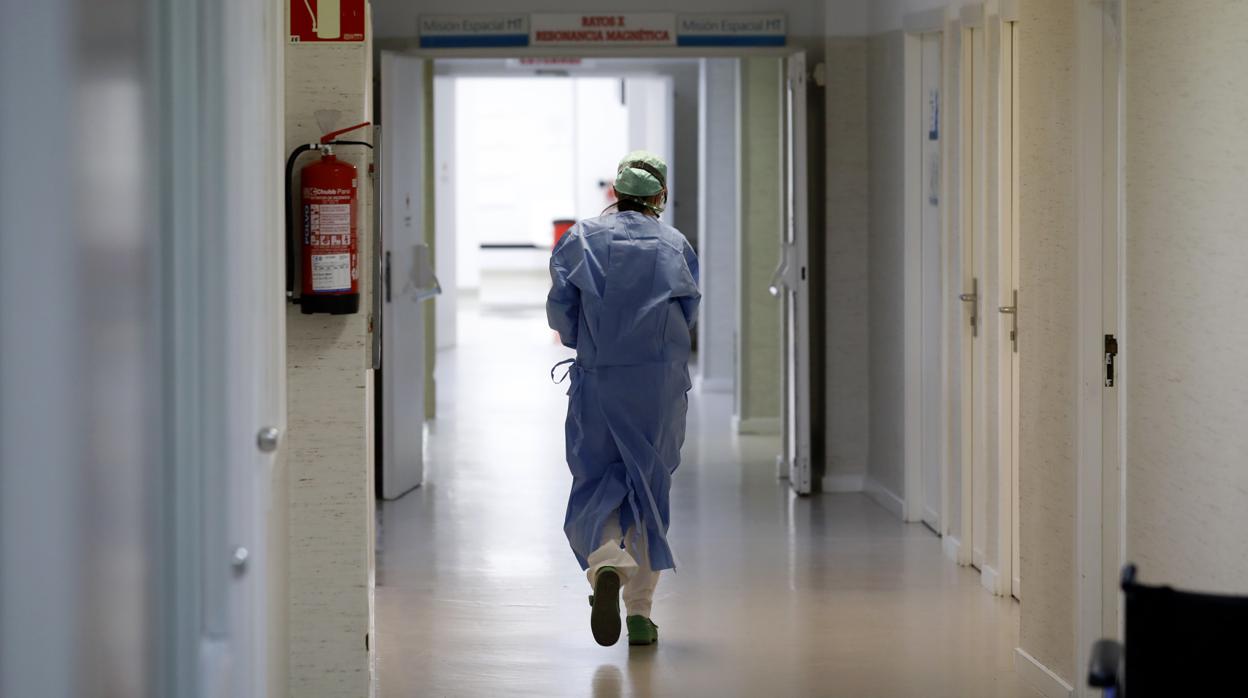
(627, 29)
(326, 20)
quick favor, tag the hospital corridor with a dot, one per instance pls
(770, 595)
(604, 349)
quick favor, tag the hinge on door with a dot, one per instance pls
(386, 277)
(1111, 353)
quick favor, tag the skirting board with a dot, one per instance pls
(846, 482)
(952, 547)
(757, 425)
(1039, 676)
(886, 498)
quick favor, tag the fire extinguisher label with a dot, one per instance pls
(332, 224)
(331, 272)
(329, 227)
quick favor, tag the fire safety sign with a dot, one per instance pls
(326, 20)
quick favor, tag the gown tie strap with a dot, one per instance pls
(570, 363)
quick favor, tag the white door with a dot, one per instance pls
(974, 491)
(932, 410)
(1007, 309)
(794, 284)
(402, 380)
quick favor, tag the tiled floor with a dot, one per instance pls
(478, 594)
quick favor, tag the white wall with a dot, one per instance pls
(1186, 383)
(718, 219)
(846, 269)
(890, 15)
(600, 140)
(885, 260)
(651, 127)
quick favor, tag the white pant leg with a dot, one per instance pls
(639, 588)
(610, 554)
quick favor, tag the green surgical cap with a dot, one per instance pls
(641, 174)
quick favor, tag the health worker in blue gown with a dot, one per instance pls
(625, 296)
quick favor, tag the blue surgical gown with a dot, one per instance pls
(625, 295)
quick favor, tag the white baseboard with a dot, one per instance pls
(886, 498)
(716, 385)
(1039, 676)
(952, 547)
(757, 425)
(977, 558)
(990, 579)
(844, 482)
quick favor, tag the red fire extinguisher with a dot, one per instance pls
(329, 257)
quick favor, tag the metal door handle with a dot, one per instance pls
(973, 298)
(1012, 310)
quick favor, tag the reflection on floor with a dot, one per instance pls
(478, 594)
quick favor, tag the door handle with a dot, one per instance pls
(973, 299)
(1012, 310)
(782, 279)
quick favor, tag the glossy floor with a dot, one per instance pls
(478, 594)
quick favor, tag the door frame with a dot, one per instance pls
(797, 296)
(916, 26)
(952, 25)
(403, 227)
(1101, 468)
(410, 47)
(1006, 172)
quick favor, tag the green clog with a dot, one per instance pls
(604, 618)
(642, 631)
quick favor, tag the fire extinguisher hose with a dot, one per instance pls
(366, 145)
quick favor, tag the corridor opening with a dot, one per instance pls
(484, 159)
(504, 152)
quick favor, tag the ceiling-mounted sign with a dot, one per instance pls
(731, 30)
(474, 31)
(623, 29)
(326, 20)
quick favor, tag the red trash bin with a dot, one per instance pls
(561, 226)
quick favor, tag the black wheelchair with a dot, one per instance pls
(1179, 643)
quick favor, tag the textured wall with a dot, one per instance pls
(761, 199)
(1186, 215)
(1046, 333)
(886, 200)
(329, 438)
(847, 388)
